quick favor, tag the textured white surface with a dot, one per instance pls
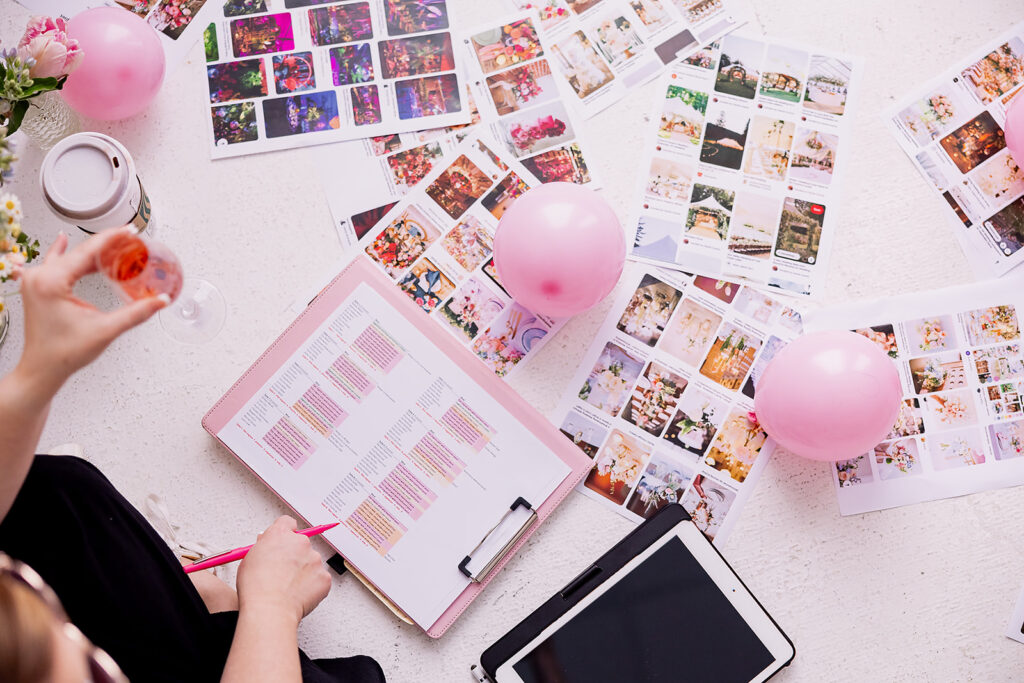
(921, 592)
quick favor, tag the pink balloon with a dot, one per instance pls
(1014, 128)
(829, 396)
(559, 249)
(122, 66)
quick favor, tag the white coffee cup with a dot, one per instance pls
(89, 180)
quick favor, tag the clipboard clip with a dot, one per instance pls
(499, 541)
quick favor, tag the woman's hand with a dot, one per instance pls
(280, 581)
(282, 573)
(63, 333)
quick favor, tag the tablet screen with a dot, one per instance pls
(665, 621)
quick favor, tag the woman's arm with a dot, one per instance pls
(280, 581)
(24, 406)
(62, 335)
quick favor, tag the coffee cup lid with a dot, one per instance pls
(85, 176)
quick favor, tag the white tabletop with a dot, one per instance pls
(919, 592)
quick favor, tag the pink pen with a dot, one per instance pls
(238, 553)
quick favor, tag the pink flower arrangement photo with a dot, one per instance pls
(172, 17)
(41, 63)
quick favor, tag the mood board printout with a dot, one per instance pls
(1015, 626)
(740, 176)
(290, 73)
(363, 179)
(952, 131)
(368, 425)
(513, 92)
(436, 243)
(663, 400)
(178, 23)
(960, 427)
(604, 48)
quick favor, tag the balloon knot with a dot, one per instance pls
(550, 288)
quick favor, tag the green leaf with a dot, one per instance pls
(32, 251)
(16, 115)
(40, 85)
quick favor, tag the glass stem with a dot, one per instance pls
(190, 309)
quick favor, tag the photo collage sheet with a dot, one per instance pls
(291, 73)
(604, 48)
(740, 174)
(436, 245)
(952, 131)
(511, 90)
(178, 23)
(365, 178)
(663, 400)
(1015, 627)
(960, 427)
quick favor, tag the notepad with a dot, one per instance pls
(366, 412)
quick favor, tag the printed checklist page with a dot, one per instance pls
(368, 425)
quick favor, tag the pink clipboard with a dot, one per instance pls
(322, 307)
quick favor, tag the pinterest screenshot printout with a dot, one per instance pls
(663, 400)
(513, 92)
(1015, 626)
(291, 73)
(436, 245)
(368, 425)
(743, 163)
(603, 49)
(960, 428)
(952, 131)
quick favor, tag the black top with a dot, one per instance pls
(121, 584)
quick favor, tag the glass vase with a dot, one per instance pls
(49, 120)
(5, 323)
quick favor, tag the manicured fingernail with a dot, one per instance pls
(165, 298)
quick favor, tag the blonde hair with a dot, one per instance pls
(26, 633)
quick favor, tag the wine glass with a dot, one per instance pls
(140, 268)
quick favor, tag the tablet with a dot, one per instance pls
(662, 605)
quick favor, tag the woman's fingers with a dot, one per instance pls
(287, 522)
(128, 316)
(82, 259)
(57, 248)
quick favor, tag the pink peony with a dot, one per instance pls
(46, 41)
(37, 26)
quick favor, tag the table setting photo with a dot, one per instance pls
(548, 341)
